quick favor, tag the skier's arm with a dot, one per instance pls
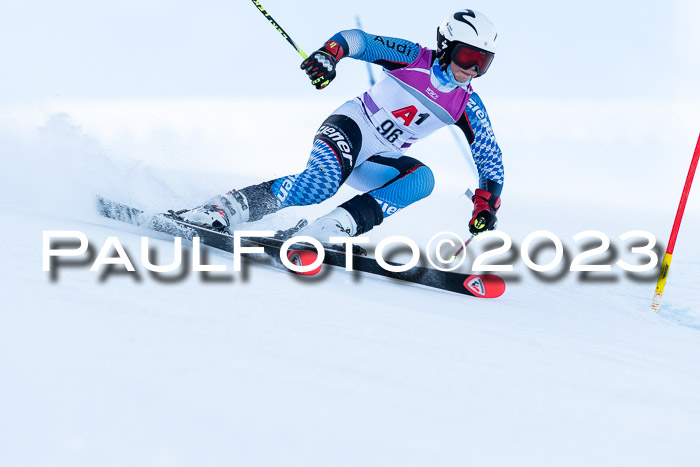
(487, 155)
(389, 52)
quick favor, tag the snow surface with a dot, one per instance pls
(129, 369)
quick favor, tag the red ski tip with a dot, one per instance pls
(304, 258)
(487, 286)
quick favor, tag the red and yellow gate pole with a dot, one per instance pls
(666, 263)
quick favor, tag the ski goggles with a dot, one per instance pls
(465, 56)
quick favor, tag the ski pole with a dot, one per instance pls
(466, 243)
(666, 263)
(469, 194)
(279, 29)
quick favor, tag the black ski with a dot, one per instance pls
(482, 286)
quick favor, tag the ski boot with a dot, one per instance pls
(220, 213)
(337, 223)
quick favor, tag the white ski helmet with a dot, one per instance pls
(469, 39)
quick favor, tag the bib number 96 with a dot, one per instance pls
(389, 131)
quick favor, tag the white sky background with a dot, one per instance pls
(216, 48)
(581, 96)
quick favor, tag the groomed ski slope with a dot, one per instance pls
(272, 370)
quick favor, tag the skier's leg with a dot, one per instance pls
(335, 150)
(336, 147)
(392, 183)
(412, 181)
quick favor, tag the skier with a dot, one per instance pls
(363, 142)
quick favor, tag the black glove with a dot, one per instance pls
(484, 215)
(320, 66)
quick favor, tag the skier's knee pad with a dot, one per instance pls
(341, 135)
(416, 183)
